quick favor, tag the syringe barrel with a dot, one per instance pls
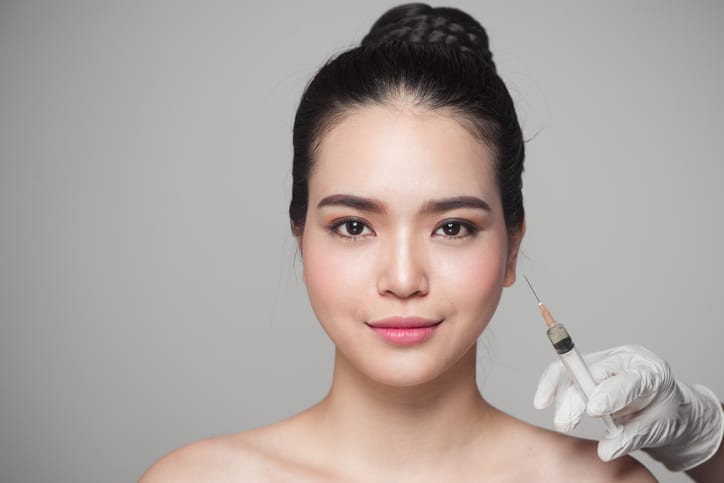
(579, 372)
(581, 375)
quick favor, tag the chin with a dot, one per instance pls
(411, 368)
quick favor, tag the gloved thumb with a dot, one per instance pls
(609, 449)
(625, 442)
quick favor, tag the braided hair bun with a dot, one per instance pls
(419, 22)
(439, 57)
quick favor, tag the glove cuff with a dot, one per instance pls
(700, 428)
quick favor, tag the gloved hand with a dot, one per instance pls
(678, 425)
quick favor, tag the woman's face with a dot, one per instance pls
(405, 247)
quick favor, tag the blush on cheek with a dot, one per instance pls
(474, 270)
(334, 275)
(320, 272)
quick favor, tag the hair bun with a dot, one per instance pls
(419, 22)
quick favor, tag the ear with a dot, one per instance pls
(298, 237)
(514, 240)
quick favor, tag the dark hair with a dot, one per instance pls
(439, 58)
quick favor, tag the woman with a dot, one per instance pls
(407, 208)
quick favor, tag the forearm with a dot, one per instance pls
(711, 471)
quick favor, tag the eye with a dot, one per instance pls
(456, 229)
(350, 228)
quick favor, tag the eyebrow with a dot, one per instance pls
(351, 201)
(431, 206)
(455, 202)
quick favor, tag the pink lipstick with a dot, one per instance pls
(404, 331)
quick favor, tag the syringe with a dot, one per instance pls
(577, 368)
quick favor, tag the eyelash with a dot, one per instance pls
(470, 229)
(336, 225)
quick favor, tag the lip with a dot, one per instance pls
(405, 331)
(400, 322)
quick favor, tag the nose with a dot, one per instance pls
(403, 267)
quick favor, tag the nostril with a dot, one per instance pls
(404, 287)
(402, 267)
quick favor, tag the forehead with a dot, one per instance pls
(388, 149)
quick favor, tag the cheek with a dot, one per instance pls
(334, 275)
(474, 279)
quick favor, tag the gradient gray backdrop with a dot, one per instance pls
(150, 291)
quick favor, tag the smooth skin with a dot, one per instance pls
(396, 227)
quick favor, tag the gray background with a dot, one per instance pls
(149, 287)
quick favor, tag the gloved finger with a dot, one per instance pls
(553, 376)
(616, 393)
(570, 407)
(593, 358)
(651, 368)
(631, 438)
(609, 366)
(632, 357)
(631, 377)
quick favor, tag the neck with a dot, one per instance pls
(391, 427)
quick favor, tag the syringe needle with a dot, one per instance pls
(532, 289)
(550, 321)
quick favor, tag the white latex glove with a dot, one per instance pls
(678, 425)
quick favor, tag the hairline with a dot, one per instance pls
(403, 98)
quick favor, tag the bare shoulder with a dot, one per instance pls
(577, 459)
(214, 460)
(538, 454)
(279, 452)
